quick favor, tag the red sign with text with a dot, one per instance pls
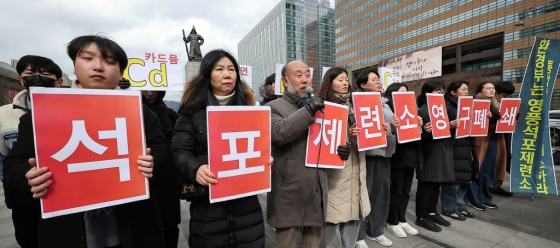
(322, 143)
(90, 147)
(509, 109)
(464, 110)
(238, 151)
(404, 104)
(369, 117)
(480, 120)
(438, 116)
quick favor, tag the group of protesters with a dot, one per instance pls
(307, 207)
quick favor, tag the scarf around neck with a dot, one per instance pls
(345, 100)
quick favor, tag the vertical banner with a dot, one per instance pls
(246, 74)
(404, 104)
(389, 76)
(532, 167)
(327, 132)
(238, 151)
(438, 116)
(153, 70)
(369, 117)
(480, 120)
(464, 110)
(509, 108)
(93, 152)
(325, 69)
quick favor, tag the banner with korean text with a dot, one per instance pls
(154, 70)
(404, 104)
(369, 117)
(532, 167)
(509, 108)
(438, 116)
(480, 120)
(93, 154)
(246, 74)
(328, 131)
(238, 151)
(464, 109)
(389, 76)
(418, 65)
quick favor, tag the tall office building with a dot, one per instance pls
(293, 30)
(477, 37)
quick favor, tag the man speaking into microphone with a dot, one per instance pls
(292, 182)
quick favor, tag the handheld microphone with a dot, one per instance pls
(309, 91)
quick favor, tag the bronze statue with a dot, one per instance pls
(196, 41)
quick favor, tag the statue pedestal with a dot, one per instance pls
(191, 69)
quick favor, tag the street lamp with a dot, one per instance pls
(522, 24)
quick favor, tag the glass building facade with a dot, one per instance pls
(476, 36)
(293, 30)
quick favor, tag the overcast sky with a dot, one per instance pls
(44, 27)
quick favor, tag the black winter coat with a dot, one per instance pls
(139, 222)
(438, 155)
(236, 223)
(408, 155)
(166, 183)
(463, 148)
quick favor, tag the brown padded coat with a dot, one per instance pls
(481, 144)
(292, 181)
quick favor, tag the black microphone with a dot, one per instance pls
(309, 91)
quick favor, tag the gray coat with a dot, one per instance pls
(292, 181)
(438, 155)
(391, 139)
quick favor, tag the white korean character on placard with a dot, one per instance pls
(480, 117)
(437, 111)
(410, 116)
(241, 157)
(369, 119)
(335, 133)
(80, 135)
(464, 119)
(509, 116)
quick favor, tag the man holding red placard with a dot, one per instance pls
(98, 64)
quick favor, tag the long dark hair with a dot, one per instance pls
(428, 87)
(198, 91)
(454, 86)
(326, 90)
(389, 92)
(363, 77)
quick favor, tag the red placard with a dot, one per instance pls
(238, 151)
(438, 116)
(335, 126)
(404, 104)
(508, 110)
(369, 117)
(480, 119)
(464, 109)
(90, 147)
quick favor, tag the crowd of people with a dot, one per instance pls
(307, 207)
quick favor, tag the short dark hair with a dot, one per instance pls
(38, 64)
(270, 79)
(108, 48)
(504, 87)
(363, 77)
(428, 87)
(326, 90)
(198, 92)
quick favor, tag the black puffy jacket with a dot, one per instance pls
(462, 148)
(235, 223)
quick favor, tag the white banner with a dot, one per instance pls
(325, 69)
(246, 74)
(153, 70)
(389, 76)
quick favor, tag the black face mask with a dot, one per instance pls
(38, 81)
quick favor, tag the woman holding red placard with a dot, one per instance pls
(490, 150)
(438, 165)
(453, 193)
(344, 210)
(378, 166)
(233, 223)
(407, 157)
